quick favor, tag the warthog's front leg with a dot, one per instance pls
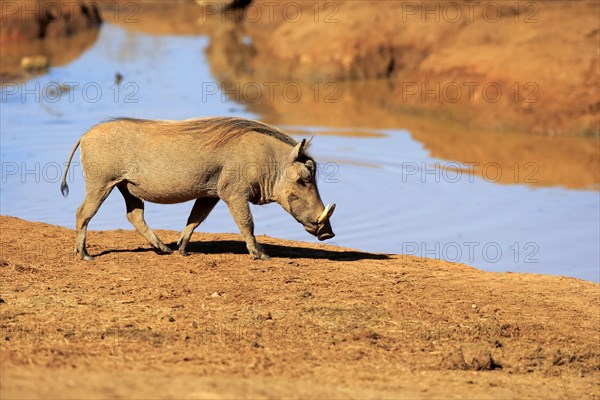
(240, 210)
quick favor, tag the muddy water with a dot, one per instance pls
(403, 184)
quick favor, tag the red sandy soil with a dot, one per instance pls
(314, 321)
(543, 55)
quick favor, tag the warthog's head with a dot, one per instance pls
(296, 191)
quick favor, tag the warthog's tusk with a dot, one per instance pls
(326, 214)
(323, 215)
(331, 210)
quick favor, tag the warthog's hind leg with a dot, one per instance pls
(240, 211)
(93, 200)
(135, 215)
(202, 207)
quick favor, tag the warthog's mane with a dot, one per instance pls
(219, 130)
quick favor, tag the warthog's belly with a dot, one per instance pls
(168, 195)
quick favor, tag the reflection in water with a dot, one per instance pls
(391, 196)
(571, 162)
(59, 51)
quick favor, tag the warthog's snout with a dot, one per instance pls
(322, 228)
(325, 232)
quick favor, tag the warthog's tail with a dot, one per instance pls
(64, 188)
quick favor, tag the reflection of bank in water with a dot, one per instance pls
(57, 51)
(37, 35)
(507, 157)
(571, 162)
(442, 127)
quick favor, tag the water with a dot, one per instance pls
(391, 195)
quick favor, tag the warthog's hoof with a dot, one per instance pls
(257, 252)
(164, 249)
(260, 256)
(184, 252)
(83, 254)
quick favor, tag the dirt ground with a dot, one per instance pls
(314, 321)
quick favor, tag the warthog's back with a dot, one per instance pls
(209, 133)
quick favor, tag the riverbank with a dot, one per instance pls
(314, 321)
(488, 66)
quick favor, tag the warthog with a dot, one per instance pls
(233, 159)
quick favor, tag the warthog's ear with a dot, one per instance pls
(306, 172)
(298, 151)
(310, 166)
